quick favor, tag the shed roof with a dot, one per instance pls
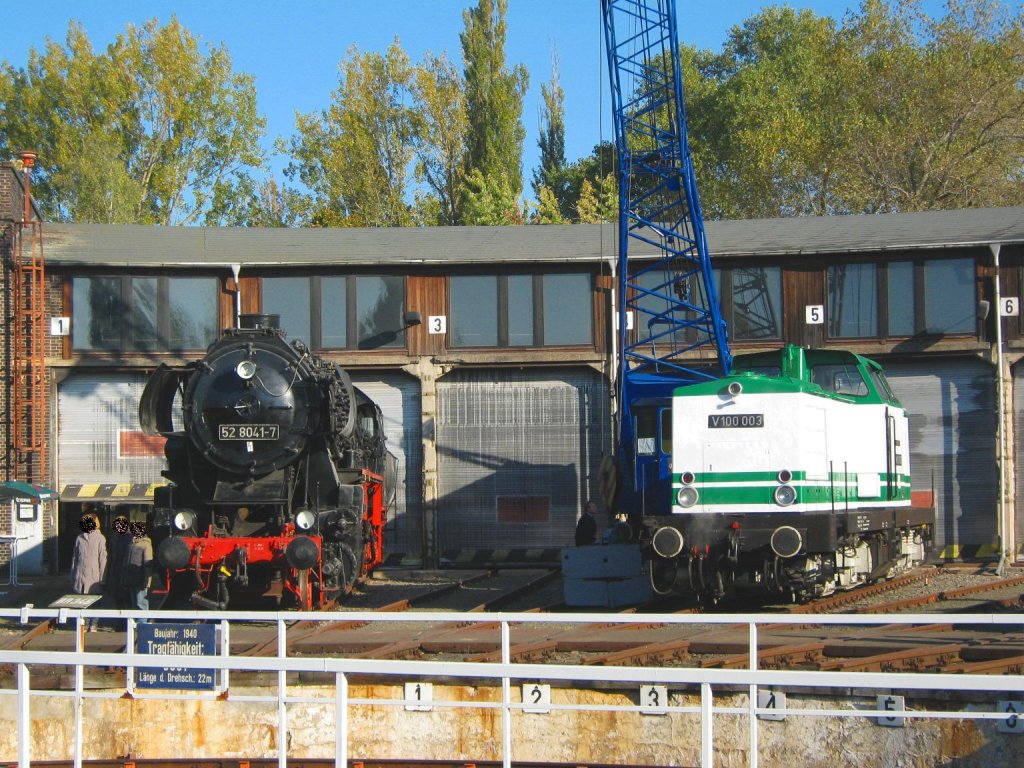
(153, 246)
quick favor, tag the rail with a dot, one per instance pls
(706, 680)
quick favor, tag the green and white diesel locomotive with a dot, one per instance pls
(792, 474)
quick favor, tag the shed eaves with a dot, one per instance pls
(149, 246)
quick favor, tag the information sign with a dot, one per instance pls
(176, 640)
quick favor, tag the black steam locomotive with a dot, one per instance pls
(280, 478)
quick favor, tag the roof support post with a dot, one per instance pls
(1002, 528)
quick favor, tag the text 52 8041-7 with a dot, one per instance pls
(248, 432)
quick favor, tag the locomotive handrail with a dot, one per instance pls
(706, 679)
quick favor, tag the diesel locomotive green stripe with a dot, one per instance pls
(798, 477)
(806, 494)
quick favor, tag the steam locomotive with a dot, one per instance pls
(280, 480)
(792, 475)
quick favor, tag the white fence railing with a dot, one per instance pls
(1001, 688)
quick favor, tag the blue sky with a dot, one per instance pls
(292, 47)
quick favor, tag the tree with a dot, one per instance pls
(263, 204)
(548, 211)
(762, 116)
(888, 111)
(551, 142)
(598, 203)
(155, 130)
(356, 156)
(939, 107)
(494, 106)
(491, 201)
(441, 102)
(586, 188)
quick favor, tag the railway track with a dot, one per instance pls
(782, 645)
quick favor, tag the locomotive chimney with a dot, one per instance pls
(258, 322)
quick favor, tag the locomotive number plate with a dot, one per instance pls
(736, 421)
(248, 432)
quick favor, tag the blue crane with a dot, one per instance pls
(670, 330)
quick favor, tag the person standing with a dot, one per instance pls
(117, 559)
(138, 569)
(586, 526)
(89, 561)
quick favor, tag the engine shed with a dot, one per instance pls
(498, 404)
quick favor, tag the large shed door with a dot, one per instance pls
(1018, 449)
(953, 445)
(398, 396)
(518, 454)
(99, 437)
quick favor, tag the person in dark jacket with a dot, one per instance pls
(89, 561)
(586, 526)
(117, 559)
(138, 569)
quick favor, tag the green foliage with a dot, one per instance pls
(494, 105)
(356, 155)
(548, 211)
(550, 175)
(492, 201)
(598, 202)
(262, 204)
(940, 114)
(441, 102)
(888, 111)
(154, 130)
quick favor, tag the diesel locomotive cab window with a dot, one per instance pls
(353, 312)
(123, 314)
(841, 379)
(520, 310)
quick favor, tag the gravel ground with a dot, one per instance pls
(944, 579)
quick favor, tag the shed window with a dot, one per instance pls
(339, 312)
(949, 296)
(553, 309)
(852, 301)
(135, 313)
(924, 296)
(751, 300)
(474, 311)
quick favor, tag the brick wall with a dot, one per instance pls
(12, 198)
(12, 203)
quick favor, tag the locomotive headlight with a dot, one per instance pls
(184, 519)
(246, 369)
(687, 496)
(785, 495)
(304, 519)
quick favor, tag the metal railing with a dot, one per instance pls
(707, 681)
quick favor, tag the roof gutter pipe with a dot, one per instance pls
(236, 269)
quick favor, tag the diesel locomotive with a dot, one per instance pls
(792, 475)
(280, 479)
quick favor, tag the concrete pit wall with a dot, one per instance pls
(121, 727)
